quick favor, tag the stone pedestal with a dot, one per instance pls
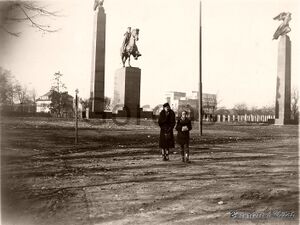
(283, 88)
(98, 62)
(127, 85)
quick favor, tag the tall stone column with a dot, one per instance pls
(98, 62)
(283, 88)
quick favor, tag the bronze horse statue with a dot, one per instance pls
(131, 48)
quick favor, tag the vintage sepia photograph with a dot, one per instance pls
(121, 112)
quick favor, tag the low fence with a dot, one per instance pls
(24, 114)
(243, 118)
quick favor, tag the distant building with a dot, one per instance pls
(173, 97)
(209, 103)
(147, 108)
(43, 103)
(180, 100)
(193, 95)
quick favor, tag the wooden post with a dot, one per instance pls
(76, 117)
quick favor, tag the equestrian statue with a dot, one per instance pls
(129, 46)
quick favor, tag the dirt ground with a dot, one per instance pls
(115, 175)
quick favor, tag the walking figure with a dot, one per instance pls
(183, 127)
(167, 123)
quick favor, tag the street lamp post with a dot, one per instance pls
(200, 71)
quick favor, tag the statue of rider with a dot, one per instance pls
(127, 36)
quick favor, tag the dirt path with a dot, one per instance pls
(116, 176)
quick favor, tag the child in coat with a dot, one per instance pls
(183, 127)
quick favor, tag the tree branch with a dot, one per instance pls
(16, 34)
(39, 26)
(12, 12)
(41, 10)
(21, 19)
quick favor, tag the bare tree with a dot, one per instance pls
(6, 87)
(107, 103)
(223, 111)
(14, 12)
(57, 84)
(33, 95)
(294, 103)
(256, 111)
(268, 110)
(85, 103)
(218, 100)
(60, 99)
(240, 109)
(20, 93)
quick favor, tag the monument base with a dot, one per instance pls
(281, 121)
(127, 85)
(100, 115)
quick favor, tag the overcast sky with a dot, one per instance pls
(239, 56)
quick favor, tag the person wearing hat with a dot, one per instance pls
(167, 123)
(183, 127)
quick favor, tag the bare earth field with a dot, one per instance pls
(115, 174)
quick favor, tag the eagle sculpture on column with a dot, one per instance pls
(97, 4)
(283, 28)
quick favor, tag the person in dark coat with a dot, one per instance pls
(167, 123)
(183, 127)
